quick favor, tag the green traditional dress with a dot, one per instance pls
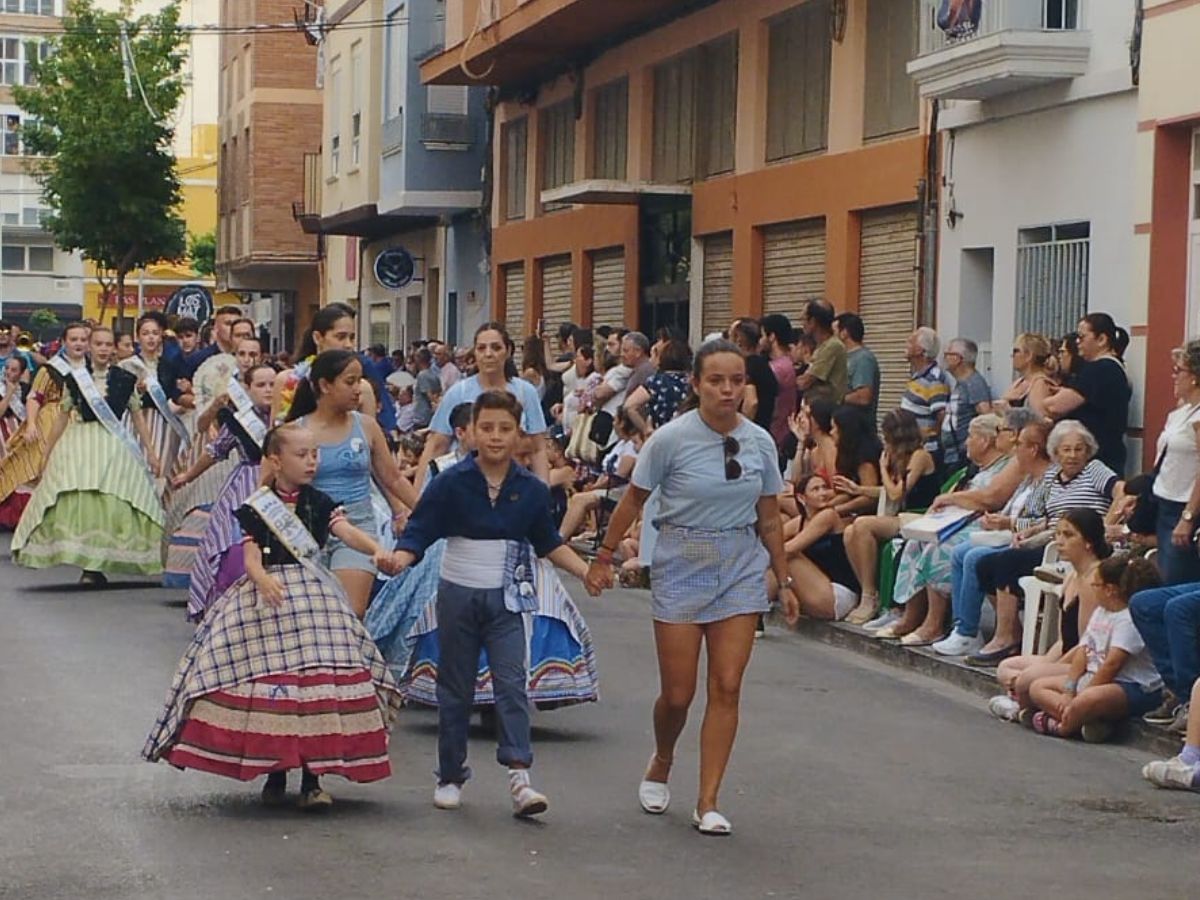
(95, 507)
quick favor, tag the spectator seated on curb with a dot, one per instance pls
(617, 467)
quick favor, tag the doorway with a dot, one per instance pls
(666, 235)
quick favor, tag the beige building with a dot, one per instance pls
(1166, 230)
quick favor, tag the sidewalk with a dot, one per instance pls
(924, 661)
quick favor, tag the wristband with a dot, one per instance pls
(605, 555)
(1071, 685)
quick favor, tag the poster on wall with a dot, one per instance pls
(192, 301)
(960, 18)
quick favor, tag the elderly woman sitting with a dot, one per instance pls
(923, 574)
(1076, 480)
(1026, 508)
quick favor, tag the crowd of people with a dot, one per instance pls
(354, 529)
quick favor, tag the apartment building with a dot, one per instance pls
(34, 274)
(674, 163)
(270, 126)
(1166, 174)
(1038, 112)
(399, 170)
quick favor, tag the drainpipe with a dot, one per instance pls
(929, 222)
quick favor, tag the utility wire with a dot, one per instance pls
(260, 28)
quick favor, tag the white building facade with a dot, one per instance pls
(1038, 113)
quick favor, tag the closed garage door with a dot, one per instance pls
(793, 266)
(556, 292)
(514, 300)
(888, 293)
(717, 311)
(608, 287)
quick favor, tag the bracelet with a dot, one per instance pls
(1070, 685)
(605, 554)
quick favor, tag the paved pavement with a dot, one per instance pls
(850, 780)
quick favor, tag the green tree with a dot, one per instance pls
(106, 169)
(202, 249)
(43, 320)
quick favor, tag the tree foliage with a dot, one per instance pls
(106, 167)
(202, 250)
(43, 320)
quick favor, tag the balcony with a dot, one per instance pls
(1015, 45)
(308, 211)
(520, 42)
(446, 131)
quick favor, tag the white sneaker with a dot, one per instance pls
(958, 645)
(889, 616)
(525, 800)
(1171, 773)
(447, 796)
(1005, 708)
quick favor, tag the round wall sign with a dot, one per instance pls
(394, 268)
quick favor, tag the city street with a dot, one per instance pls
(849, 780)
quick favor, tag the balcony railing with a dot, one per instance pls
(308, 211)
(999, 46)
(996, 16)
(442, 128)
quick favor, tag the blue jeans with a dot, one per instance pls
(471, 619)
(1168, 619)
(1178, 565)
(966, 593)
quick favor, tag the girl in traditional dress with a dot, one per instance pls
(353, 451)
(494, 516)
(157, 381)
(218, 560)
(26, 448)
(281, 674)
(12, 400)
(190, 501)
(96, 506)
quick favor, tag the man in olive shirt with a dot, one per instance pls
(862, 389)
(826, 376)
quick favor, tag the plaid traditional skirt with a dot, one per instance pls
(264, 690)
(699, 576)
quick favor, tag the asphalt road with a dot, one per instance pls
(849, 780)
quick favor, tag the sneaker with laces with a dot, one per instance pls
(1173, 774)
(889, 616)
(526, 801)
(1180, 722)
(447, 796)
(1005, 708)
(1165, 714)
(958, 645)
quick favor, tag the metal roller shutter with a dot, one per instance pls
(717, 310)
(888, 294)
(793, 266)
(514, 300)
(556, 291)
(608, 287)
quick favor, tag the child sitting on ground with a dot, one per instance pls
(1112, 676)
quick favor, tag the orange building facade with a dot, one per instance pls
(675, 167)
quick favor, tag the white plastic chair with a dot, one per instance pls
(1036, 591)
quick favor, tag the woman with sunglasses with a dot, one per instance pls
(720, 531)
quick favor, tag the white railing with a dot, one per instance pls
(997, 16)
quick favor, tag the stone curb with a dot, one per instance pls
(924, 661)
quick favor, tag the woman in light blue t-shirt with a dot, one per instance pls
(719, 532)
(494, 358)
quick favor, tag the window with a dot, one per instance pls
(356, 103)
(516, 160)
(397, 64)
(29, 7)
(446, 100)
(10, 136)
(799, 60)
(41, 259)
(1061, 14)
(10, 60)
(695, 112)
(35, 50)
(34, 215)
(891, 95)
(558, 145)
(610, 132)
(335, 129)
(1052, 277)
(19, 258)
